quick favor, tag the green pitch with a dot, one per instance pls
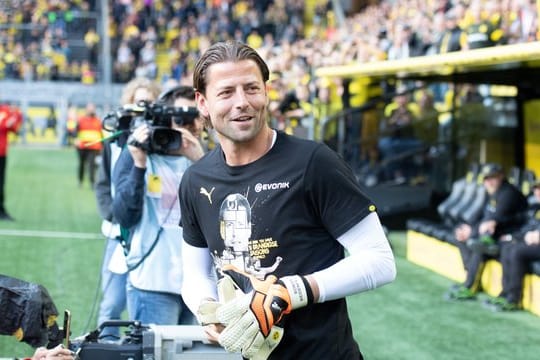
(55, 242)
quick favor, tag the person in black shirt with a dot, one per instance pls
(276, 214)
(503, 212)
(518, 250)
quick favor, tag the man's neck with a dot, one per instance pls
(237, 154)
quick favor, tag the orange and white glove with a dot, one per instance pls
(250, 320)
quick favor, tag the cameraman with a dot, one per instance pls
(146, 204)
(113, 276)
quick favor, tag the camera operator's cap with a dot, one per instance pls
(491, 169)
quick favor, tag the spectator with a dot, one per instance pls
(220, 20)
(477, 242)
(88, 142)
(146, 205)
(113, 271)
(398, 137)
(91, 39)
(70, 131)
(482, 32)
(426, 126)
(10, 122)
(401, 46)
(518, 250)
(453, 36)
(51, 121)
(88, 77)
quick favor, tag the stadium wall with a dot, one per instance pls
(30, 96)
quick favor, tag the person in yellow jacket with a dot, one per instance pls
(88, 143)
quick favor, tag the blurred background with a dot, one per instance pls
(414, 95)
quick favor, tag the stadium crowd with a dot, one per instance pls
(161, 40)
(41, 40)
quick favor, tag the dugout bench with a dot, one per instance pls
(444, 258)
(430, 243)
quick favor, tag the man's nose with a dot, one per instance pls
(241, 99)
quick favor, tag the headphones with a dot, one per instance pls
(182, 91)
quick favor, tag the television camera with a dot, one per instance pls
(149, 342)
(159, 116)
(28, 313)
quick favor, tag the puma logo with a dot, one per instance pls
(208, 194)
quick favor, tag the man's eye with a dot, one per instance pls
(253, 89)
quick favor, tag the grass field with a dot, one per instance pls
(407, 319)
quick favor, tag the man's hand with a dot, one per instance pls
(227, 291)
(487, 227)
(135, 142)
(532, 237)
(191, 146)
(270, 299)
(57, 353)
(250, 319)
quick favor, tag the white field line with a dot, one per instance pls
(51, 234)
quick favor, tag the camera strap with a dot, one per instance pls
(156, 239)
(154, 243)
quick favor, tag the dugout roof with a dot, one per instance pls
(516, 64)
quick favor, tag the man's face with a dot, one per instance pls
(235, 100)
(536, 192)
(492, 183)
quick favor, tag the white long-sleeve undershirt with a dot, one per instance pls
(370, 264)
(199, 276)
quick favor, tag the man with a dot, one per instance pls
(146, 204)
(113, 272)
(453, 36)
(264, 205)
(482, 32)
(503, 213)
(397, 137)
(518, 250)
(88, 142)
(10, 122)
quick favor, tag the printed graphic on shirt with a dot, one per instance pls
(235, 230)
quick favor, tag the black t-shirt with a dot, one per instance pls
(280, 215)
(507, 206)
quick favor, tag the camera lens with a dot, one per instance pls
(165, 140)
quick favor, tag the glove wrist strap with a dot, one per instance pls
(299, 290)
(309, 292)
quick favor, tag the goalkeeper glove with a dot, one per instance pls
(206, 313)
(250, 319)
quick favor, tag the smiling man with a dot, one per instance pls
(274, 214)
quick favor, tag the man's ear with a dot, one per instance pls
(266, 93)
(201, 104)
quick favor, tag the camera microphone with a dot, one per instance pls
(112, 136)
